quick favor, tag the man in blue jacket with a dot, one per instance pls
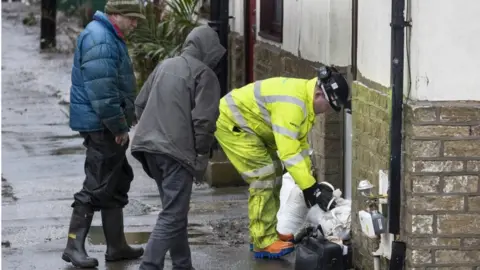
(102, 110)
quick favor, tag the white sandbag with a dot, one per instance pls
(293, 210)
(335, 222)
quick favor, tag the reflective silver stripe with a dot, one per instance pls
(296, 159)
(260, 102)
(236, 113)
(285, 131)
(287, 99)
(262, 184)
(266, 184)
(269, 169)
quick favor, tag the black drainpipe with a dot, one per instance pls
(219, 21)
(247, 35)
(398, 25)
(219, 16)
(354, 69)
(48, 25)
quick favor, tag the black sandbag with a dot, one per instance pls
(314, 252)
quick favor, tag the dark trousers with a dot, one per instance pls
(107, 172)
(170, 233)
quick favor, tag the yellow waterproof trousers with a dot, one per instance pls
(261, 168)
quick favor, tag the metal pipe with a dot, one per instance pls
(397, 58)
(376, 263)
(247, 35)
(48, 24)
(219, 16)
(354, 68)
(395, 174)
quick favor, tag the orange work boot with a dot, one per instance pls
(283, 237)
(278, 249)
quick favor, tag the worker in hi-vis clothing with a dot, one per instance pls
(265, 124)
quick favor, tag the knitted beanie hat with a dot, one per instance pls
(127, 8)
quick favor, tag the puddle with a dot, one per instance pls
(68, 150)
(195, 235)
(96, 237)
(64, 137)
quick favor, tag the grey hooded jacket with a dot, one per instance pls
(177, 108)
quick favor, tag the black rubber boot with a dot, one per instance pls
(79, 226)
(117, 247)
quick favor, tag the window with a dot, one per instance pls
(271, 19)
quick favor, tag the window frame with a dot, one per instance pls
(269, 28)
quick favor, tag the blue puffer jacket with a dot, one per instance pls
(103, 83)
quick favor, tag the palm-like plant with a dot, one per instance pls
(162, 34)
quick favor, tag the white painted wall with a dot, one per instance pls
(445, 50)
(373, 48)
(236, 8)
(444, 47)
(317, 30)
(444, 41)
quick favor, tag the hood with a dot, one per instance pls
(203, 44)
(103, 19)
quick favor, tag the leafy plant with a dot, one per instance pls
(162, 34)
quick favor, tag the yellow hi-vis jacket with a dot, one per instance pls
(280, 111)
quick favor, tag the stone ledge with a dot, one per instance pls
(221, 173)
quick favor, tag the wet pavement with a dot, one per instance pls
(42, 166)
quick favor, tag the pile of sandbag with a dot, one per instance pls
(294, 215)
(293, 211)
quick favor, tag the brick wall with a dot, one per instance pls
(442, 191)
(370, 154)
(326, 137)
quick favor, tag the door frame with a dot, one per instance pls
(250, 34)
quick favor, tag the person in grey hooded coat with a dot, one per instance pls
(177, 110)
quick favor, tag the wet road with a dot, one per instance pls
(42, 166)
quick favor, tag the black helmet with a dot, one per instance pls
(334, 86)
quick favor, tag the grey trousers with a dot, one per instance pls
(170, 233)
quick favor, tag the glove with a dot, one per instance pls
(201, 163)
(325, 199)
(321, 194)
(309, 195)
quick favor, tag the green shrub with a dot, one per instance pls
(161, 35)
